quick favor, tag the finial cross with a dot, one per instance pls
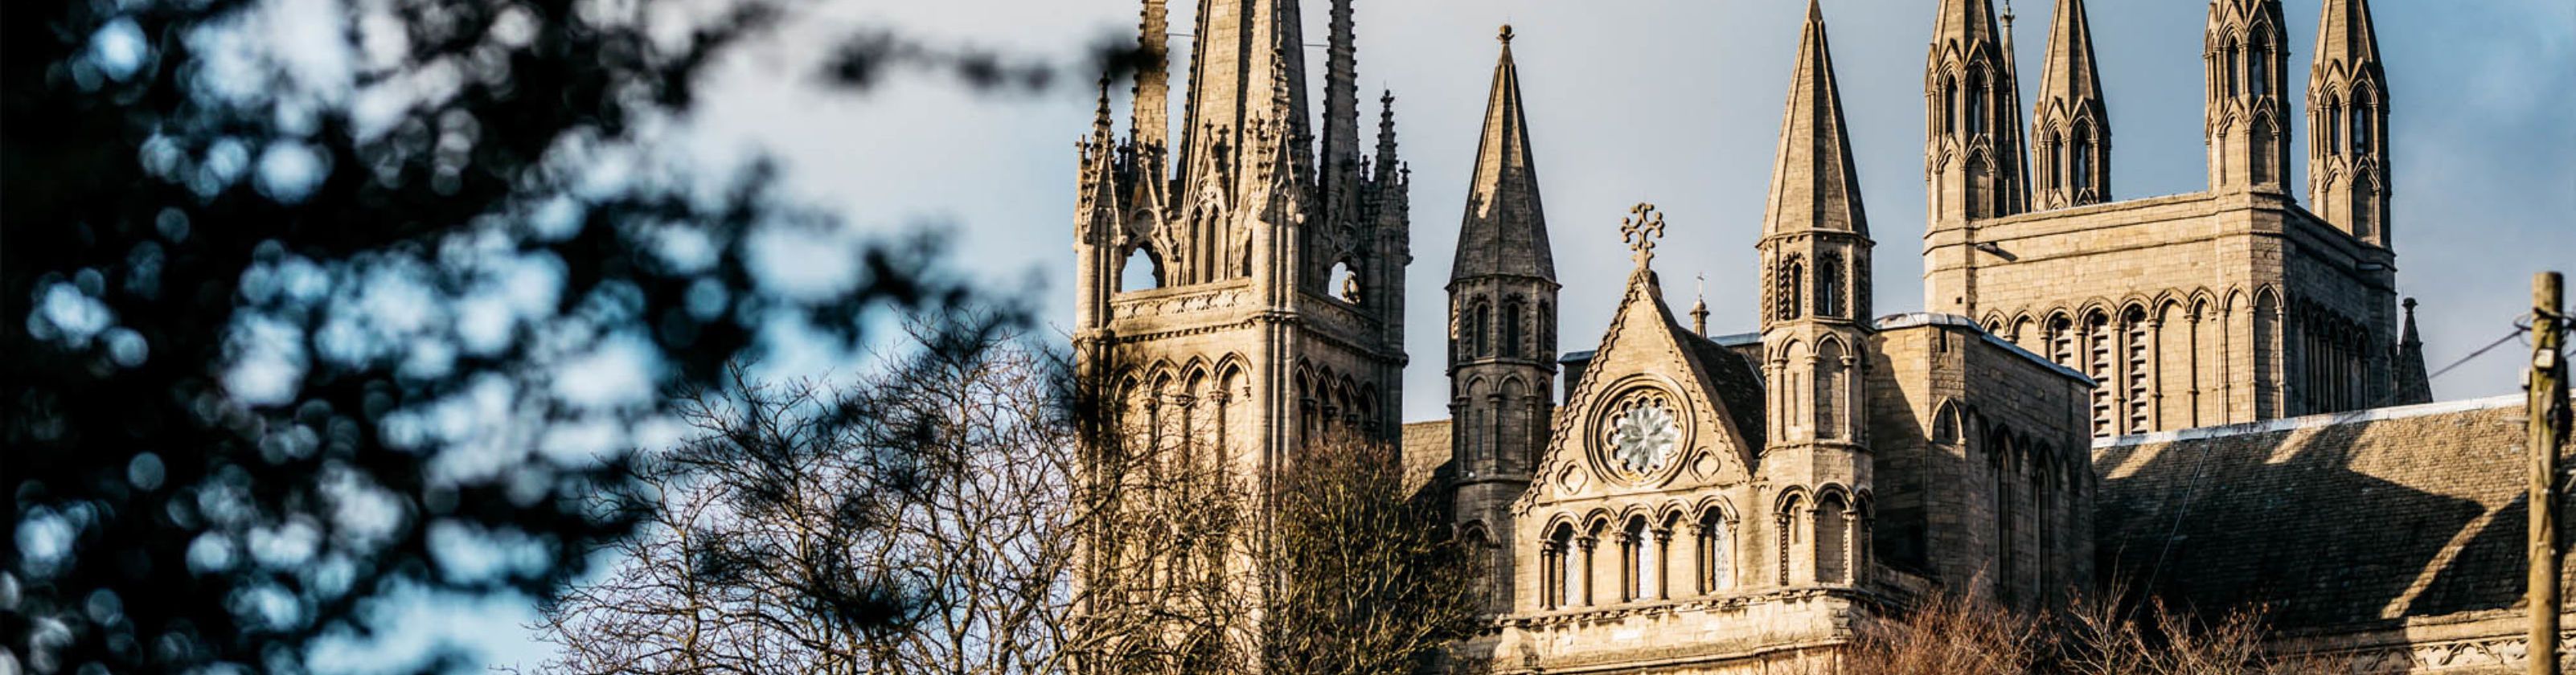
(1640, 229)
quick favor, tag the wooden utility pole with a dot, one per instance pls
(2545, 412)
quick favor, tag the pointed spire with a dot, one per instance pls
(2345, 33)
(2069, 72)
(1244, 52)
(2413, 386)
(2071, 156)
(1813, 184)
(2011, 58)
(1341, 116)
(1385, 158)
(1505, 230)
(1960, 23)
(1699, 307)
(1151, 122)
(1100, 124)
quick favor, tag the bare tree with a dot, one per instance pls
(1964, 636)
(927, 519)
(1951, 635)
(1371, 581)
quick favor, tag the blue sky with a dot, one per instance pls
(1675, 102)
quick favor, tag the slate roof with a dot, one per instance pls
(1736, 382)
(2332, 522)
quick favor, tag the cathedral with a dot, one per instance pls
(2214, 398)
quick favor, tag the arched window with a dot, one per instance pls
(1829, 285)
(2228, 73)
(1791, 521)
(1833, 534)
(1716, 553)
(1481, 326)
(1546, 328)
(1974, 103)
(2048, 170)
(1949, 104)
(1345, 283)
(2081, 161)
(2097, 364)
(2333, 123)
(2266, 138)
(1832, 405)
(1513, 319)
(1792, 274)
(2141, 365)
(2258, 66)
(1636, 560)
(1556, 592)
(2361, 129)
(1140, 271)
(2061, 341)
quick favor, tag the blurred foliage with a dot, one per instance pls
(310, 302)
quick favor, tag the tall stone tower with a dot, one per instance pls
(1502, 330)
(2247, 124)
(2347, 122)
(1815, 313)
(1972, 155)
(2071, 127)
(1237, 300)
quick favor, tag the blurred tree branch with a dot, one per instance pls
(304, 298)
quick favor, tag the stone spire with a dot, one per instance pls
(1813, 184)
(1505, 230)
(1385, 161)
(2347, 122)
(2345, 33)
(2246, 55)
(1502, 346)
(1151, 123)
(2413, 385)
(1815, 233)
(1973, 155)
(1341, 176)
(1245, 51)
(2072, 128)
(2012, 59)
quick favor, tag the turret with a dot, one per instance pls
(2347, 122)
(2246, 123)
(2070, 154)
(1502, 337)
(1817, 302)
(1972, 151)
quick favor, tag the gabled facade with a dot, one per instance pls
(1715, 505)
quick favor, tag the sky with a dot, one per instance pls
(1678, 103)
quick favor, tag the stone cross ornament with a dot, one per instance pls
(1640, 229)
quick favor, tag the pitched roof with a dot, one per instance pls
(2330, 521)
(1813, 184)
(1505, 230)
